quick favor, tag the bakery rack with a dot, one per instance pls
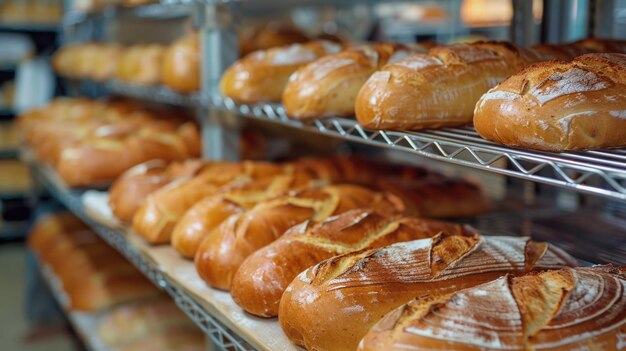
(601, 173)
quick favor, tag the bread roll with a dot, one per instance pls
(221, 253)
(557, 106)
(130, 190)
(262, 75)
(332, 305)
(181, 65)
(439, 89)
(129, 323)
(105, 62)
(156, 218)
(263, 277)
(562, 310)
(328, 86)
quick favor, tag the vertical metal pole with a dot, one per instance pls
(523, 23)
(220, 130)
(601, 18)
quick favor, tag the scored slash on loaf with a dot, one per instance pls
(570, 309)
(263, 277)
(557, 106)
(332, 305)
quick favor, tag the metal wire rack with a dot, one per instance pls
(158, 94)
(594, 172)
(222, 336)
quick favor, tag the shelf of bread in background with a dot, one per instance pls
(109, 303)
(232, 220)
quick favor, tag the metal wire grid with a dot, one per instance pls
(599, 172)
(595, 172)
(221, 335)
(158, 94)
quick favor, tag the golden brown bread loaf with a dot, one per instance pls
(438, 89)
(221, 253)
(563, 310)
(328, 86)
(160, 212)
(263, 277)
(600, 45)
(141, 64)
(128, 323)
(96, 159)
(130, 190)
(436, 196)
(332, 305)
(262, 75)
(181, 65)
(272, 35)
(558, 106)
(208, 213)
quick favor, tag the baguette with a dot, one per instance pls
(158, 215)
(563, 310)
(558, 106)
(262, 75)
(130, 190)
(332, 305)
(263, 277)
(221, 253)
(328, 86)
(439, 89)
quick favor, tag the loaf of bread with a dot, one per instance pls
(99, 159)
(210, 212)
(272, 35)
(160, 212)
(562, 310)
(439, 89)
(332, 305)
(557, 106)
(132, 188)
(141, 64)
(328, 86)
(436, 196)
(181, 65)
(599, 45)
(105, 62)
(47, 229)
(128, 323)
(221, 253)
(263, 277)
(262, 75)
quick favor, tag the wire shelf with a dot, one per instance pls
(221, 335)
(158, 94)
(594, 172)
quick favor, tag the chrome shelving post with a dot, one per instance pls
(220, 48)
